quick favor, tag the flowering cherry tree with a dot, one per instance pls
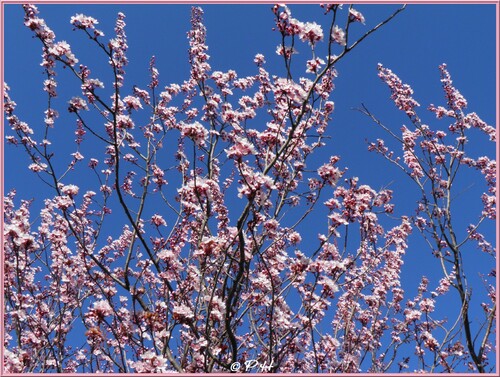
(434, 159)
(187, 251)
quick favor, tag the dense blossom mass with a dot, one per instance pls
(185, 249)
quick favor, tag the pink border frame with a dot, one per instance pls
(497, 11)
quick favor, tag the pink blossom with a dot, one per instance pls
(132, 102)
(63, 49)
(241, 147)
(37, 167)
(157, 220)
(197, 52)
(182, 312)
(151, 363)
(294, 238)
(102, 308)
(313, 66)
(354, 15)
(50, 86)
(70, 190)
(77, 156)
(473, 120)
(286, 51)
(142, 94)
(412, 315)
(429, 341)
(119, 46)
(311, 32)
(426, 305)
(329, 172)
(76, 104)
(259, 59)
(401, 93)
(124, 122)
(13, 362)
(456, 101)
(50, 117)
(195, 131)
(93, 163)
(338, 35)
(82, 22)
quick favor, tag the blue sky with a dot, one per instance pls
(412, 45)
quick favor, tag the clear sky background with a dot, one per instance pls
(412, 45)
